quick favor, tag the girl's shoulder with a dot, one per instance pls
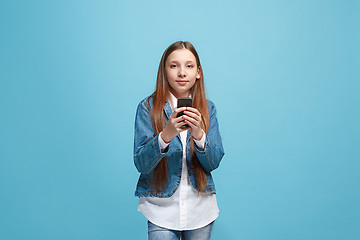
(147, 101)
(211, 105)
(145, 105)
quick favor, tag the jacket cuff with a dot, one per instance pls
(162, 145)
(201, 143)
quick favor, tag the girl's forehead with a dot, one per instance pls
(181, 55)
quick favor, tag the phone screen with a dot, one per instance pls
(184, 102)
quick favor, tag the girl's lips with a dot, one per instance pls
(182, 82)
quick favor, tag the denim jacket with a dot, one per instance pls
(147, 153)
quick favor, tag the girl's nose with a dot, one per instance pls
(182, 72)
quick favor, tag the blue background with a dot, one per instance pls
(284, 76)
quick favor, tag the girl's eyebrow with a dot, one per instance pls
(178, 62)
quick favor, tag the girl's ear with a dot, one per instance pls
(198, 75)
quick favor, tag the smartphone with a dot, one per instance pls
(184, 102)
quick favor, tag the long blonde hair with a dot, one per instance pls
(160, 96)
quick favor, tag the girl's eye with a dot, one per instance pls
(173, 66)
(190, 66)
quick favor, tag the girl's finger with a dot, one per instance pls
(184, 128)
(176, 111)
(190, 123)
(194, 110)
(179, 126)
(193, 115)
(192, 120)
(179, 119)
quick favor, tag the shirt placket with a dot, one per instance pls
(183, 195)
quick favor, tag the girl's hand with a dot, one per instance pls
(173, 126)
(193, 117)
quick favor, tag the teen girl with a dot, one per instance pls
(176, 189)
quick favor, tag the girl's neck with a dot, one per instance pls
(187, 94)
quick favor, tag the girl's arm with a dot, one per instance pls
(147, 154)
(211, 155)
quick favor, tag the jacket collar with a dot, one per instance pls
(168, 110)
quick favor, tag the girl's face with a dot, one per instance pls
(181, 71)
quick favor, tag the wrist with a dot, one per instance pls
(199, 136)
(164, 137)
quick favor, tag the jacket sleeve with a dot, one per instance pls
(147, 154)
(211, 155)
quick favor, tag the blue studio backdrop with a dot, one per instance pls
(284, 76)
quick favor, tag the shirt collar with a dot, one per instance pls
(173, 100)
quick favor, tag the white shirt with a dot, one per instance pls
(185, 209)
